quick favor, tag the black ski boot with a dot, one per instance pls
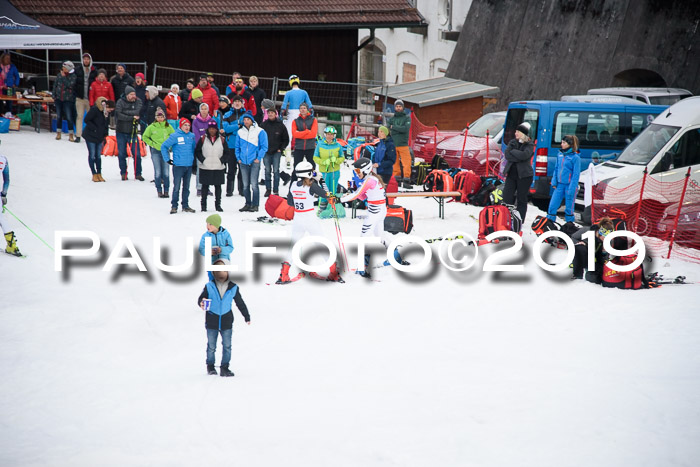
(211, 370)
(225, 372)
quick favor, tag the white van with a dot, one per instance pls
(666, 148)
(600, 99)
(653, 96)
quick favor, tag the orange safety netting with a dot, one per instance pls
(356, 130)
(667, 214)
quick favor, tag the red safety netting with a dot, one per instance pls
(667, 214)
(356, 130)
(480, 154)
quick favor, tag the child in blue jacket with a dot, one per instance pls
(219, 316)
(565, 178)
(221, 243)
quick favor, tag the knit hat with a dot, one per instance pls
(159, 111)
(399, 102)
(524, 128)
(267, 104)
(140, 75)
(384, 129)
(152, 91)
(102, 71)
(237, 97)
(121, 65)
(128, 90)
(214, 220)
(69, 66)
(247, 115)
(202, 76)
(212, 123)
(177, 86)
(196, 93)
(183, 121)
(223, 98)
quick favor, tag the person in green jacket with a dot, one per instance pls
(154, 136)
(329, 158)
(400, 127)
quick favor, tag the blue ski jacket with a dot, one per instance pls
(567, 169)
(220, 314)
(222, 239)
(183, 145)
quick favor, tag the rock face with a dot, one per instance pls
(543, 49)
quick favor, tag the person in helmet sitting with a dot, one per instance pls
(292, 100)
(328, 157)
(302, 194)
(371, 189)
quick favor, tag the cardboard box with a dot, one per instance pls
(14, 124)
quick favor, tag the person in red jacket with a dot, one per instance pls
(209, 96)
(101, 87)
(238, 87)
(304, 132)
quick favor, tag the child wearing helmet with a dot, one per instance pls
(292, 100)
(328, 157)
(302, 194)
(372, 189)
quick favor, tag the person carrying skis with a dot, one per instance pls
(301, 196)
(220, 293)
(329, 159)
(372, 189)
(11, 248)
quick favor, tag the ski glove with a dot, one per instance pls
(170, 161)
(327, 162)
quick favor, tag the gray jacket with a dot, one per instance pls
(125, 112)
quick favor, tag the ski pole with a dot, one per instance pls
(133, 135)
(339, 235)
(5, 208)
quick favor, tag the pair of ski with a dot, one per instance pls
(657, 280)
(15, 255)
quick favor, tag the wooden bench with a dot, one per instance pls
(438, 196)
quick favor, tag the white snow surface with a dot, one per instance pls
(436, 369)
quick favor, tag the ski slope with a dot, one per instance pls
(433, 369)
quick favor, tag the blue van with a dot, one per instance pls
(603, 131)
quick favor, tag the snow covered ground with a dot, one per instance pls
(439, 369)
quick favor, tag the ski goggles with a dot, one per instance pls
(603, 232)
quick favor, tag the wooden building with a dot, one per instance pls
(315, 39)
(452, 103)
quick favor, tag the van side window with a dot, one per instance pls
(685, 152)
(515, 117)
(594, 129)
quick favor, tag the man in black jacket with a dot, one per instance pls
(277, 141)
(120, 81)
(153, 102)
(84, 76)
(128, 112)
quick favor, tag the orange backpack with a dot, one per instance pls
(139, 146)
(110, 146)
(438, 180)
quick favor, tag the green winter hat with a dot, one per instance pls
(384, 129)
(214, 220)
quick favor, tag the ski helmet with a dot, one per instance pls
(363, 166)
(331, 130)
(304, 169)
(294, 79)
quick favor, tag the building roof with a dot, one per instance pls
(221, 15)
(435, 91)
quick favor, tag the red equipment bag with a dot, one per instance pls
(438, 180)
(276, 206)
(467, 183)
(398, 219)
(494, 219)
(110, 146)
(392, 187)
(139, 147)
(624, 280)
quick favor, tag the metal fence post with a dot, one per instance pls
(678, 214)
(145, 69)
(155, 69)
(488, 168)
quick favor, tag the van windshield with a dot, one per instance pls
(645, 146)
(492, 123)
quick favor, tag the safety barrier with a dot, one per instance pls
(667, 214)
